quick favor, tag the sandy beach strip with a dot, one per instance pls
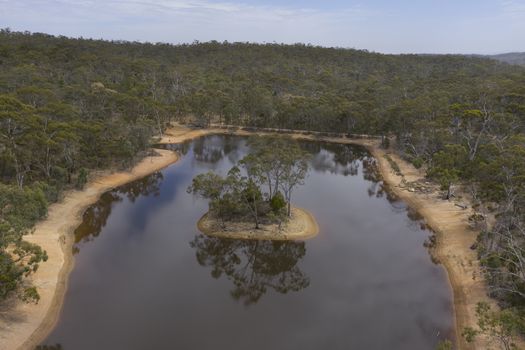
(300, 226)
(26, 325)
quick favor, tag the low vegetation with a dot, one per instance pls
(502, 328)
(393, 165)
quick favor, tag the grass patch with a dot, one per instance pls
(393, 165)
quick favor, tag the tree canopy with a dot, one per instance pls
(259, 186)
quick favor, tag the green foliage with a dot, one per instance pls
(285, 86)
(501, 327)
(448, 165)
(469, 334)
(252, 192)
(278, 202)
(30, 295)
(20, 263)
(209, 186)
(445, 345)
(462, 116)
(501, 178)
(10, 275)
(393, 165)
(19, 211)
(238, 195)
(418, 162)
(82, 178)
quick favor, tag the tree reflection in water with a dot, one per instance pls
(96, 216)
(253, 266)
(336, 158)
(211, 149)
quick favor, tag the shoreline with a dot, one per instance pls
(454, 236)
(301, 226)
(450, 224)
(27, 325)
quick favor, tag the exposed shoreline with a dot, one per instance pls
(448, 221)
(27, 325)
(454, 237)
(301, 226)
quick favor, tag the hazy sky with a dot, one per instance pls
(428, 26)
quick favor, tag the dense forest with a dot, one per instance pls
(68, 106)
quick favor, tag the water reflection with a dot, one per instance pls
(336, 158)
(254, 267)
(182, 148)
(150, 281)
(211, 149)
(50, 347)
(96, 216)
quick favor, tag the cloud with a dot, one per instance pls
(514, 9)
(180, 21)
(377, 25)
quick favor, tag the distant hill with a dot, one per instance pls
(511, 58)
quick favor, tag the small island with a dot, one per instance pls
(254, 200)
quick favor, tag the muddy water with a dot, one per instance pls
(145, 278)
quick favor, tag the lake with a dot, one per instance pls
(145, 278)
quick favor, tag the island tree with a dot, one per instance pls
(251, 189)
(280, 163)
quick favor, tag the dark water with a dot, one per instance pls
(144, 277)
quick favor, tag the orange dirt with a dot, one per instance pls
(300, 226)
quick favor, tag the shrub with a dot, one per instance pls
(418, 162)
(82, 178)
(277, 202)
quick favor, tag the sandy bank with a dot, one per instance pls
(26, 325)
(448, 221)
(300, 226)
(454, 239)
(29, 324)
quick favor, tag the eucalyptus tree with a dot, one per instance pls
(215, 189)
(18, 128)
(295, 170)
(247, 190)
(447, 167)
(19, 210)
(273, 158)
(273, 163)
(501, 328)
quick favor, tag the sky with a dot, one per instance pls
(416, 26)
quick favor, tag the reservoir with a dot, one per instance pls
(146, 278)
